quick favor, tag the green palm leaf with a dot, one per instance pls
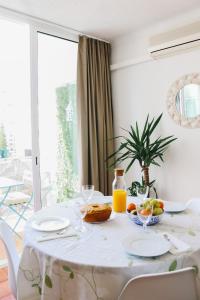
(141, 145)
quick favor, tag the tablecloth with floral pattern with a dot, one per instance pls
(95, 265)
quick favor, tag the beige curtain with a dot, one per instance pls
(95, 112)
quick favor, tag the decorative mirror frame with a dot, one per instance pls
(171, 101)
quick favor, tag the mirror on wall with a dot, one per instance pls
(183, 101)
(188, 100)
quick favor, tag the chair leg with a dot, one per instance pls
(11, 228)
(21, 215)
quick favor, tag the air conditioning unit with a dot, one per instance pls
(175, 41)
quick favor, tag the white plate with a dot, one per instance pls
(145, 245)
(50, 223)
(174, 207)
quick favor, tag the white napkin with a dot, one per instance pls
(178, 246)
(54, 236)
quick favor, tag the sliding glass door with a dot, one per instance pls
(16, 187)
(57, 64)
(15, 109)
(38, 119)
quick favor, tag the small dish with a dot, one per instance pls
(174, 207)
(50, 223)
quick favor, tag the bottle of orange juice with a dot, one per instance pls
(119, 191)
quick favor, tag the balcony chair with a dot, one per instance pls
(18, 202)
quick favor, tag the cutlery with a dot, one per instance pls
(55, 233)
(56, 236)
(168, 239)
(62, 233)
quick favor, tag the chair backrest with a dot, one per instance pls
(12, 255)
(97, 194)
(28, 178)
(177, 285)
(78, 196)
(194, 205)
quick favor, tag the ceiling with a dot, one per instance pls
(103, 18)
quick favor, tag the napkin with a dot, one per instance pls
(178, 246)
(57, 235)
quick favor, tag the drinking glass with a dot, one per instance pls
(142, 192)
(144, 214)
(79, 215)
(87, 192)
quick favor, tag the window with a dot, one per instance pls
(57, 63)
(38, 122)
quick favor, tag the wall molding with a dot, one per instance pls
(131, 62)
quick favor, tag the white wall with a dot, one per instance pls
(142, 89)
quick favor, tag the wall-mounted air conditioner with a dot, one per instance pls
(174, 41)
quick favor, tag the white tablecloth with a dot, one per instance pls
(96, 265)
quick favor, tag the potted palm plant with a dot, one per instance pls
(139, 145)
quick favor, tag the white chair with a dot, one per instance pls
(20, 202)
(194, 205)
(97, 194)
(78, 198)
(177, 285)
(18, 197)
(12, 255)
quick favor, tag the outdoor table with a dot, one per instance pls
(8, 183)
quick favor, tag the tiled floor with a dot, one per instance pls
(5, 293)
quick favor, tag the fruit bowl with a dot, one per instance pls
(158, 210)
(154, 219)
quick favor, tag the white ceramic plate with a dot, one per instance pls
(174, 207)
(146, 245)
(50, 223)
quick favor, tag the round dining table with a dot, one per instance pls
(94, 264)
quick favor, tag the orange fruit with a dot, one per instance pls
(131, 207)
(145, 212)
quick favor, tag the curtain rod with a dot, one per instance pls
(44, 21)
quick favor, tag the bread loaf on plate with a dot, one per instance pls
(96, 212)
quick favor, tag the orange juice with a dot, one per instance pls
(119, 200)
